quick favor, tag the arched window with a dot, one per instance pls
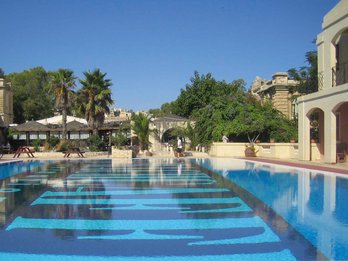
(340, 70)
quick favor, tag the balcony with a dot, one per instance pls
(340, 74)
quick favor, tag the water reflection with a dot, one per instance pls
(23, 182)
(312, 202)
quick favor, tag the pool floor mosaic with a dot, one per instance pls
(140, 210)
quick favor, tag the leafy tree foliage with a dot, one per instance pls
(307, 76)
(31, 97)
(95, 98)
(166, 108)
(95, 143)
(62, 84)
(141, 127)
(220, 108)
(201, 92)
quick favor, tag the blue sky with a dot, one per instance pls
(151, 48)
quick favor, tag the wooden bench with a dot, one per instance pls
(26, 150)
(76, 151)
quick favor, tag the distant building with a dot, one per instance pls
(6, 107)
(278, 92)
(330, 102)
(77, 129)
(6, 103)
(118, 115)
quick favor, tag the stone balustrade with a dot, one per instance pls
(269, 150)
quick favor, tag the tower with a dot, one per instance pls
(6, 104)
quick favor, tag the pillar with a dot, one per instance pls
(303, 133)
(329, 137)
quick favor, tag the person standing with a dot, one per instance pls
(225, 139)
(179, 148)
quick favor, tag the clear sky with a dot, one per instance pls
(151, 48)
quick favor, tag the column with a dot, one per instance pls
(329, 137)
(303, 133)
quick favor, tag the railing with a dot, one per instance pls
(340, 74)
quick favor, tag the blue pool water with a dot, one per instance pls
(199, 209)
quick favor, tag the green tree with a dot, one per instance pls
(203, 90)
(31, 97)
(141, 127)
(250, 118)
(307, 76)
(187, 132)
(166, 108)
(95, 98)
(62, 84)
(220, 108)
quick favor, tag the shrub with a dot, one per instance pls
(62, 145)
(95, 143)
(37, 144)
(51, 142)
(119, 140)
(286, 133)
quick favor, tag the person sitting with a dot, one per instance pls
(225, 139)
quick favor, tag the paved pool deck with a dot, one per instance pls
(339, 168)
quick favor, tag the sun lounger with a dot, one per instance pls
(341, 152)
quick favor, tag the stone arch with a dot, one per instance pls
(341, 113)
(316, 129)
(163, 126)
(167, 136)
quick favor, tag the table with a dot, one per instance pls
(24, 149)
(74, 151)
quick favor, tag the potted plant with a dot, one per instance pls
(250, 150)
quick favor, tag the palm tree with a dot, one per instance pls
(62, 83)
(141, 127)
(95, 98)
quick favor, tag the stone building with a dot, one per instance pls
(6, 107)
(330, 102)
(164, 125)
(277, 91)
(6, 103)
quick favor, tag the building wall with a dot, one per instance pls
(6, 103)
(332, 97)
(270, 150)
(334, 24)
(277, 91)
(343, 123)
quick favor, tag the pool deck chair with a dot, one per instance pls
(341, 152)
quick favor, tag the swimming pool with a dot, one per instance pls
(166, 209)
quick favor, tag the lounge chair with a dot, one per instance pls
(341, 152)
